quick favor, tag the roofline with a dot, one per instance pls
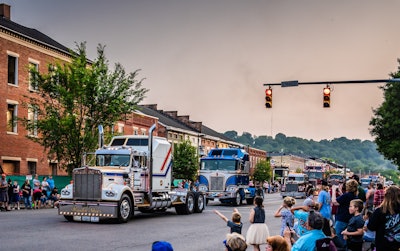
(35, 40)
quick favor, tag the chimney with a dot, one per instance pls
(5, 11)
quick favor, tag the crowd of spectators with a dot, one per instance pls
(32, 194)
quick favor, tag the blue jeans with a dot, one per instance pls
(339, 227)
(28, 202)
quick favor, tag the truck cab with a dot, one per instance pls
(295, 185)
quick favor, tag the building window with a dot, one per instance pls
(12, 118)
(33, 67)
(12, 70)
(143, 131)
(135, 131)
(31, 167)
(121, 128)
(32, 121)
(53, 167)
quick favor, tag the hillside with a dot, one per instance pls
(359, 156)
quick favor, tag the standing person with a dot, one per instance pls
(27, 194)
(379, 195)
(15, 197)
(258, 230)
(9, 193)
(235, 224)
(51, 183)
(285, 213)
(324, 200)
(361, 193)
(334, 207)
(4, 193)
(369, 203)
(353, 234)
(385, 220)
(35, 181)
(45, 187)
(343, 202)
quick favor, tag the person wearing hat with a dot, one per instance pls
(161, 246)
(324, 200)
(4, 193)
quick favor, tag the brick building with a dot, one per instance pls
(22, 48)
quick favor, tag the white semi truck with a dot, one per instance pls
(132, 172)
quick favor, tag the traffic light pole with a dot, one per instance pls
(297, 83)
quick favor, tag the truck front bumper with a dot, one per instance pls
(88, 210)
(220, 195)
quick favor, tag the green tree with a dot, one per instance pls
(386, 121)
(262, 171)
(185, 161)
(74, 99)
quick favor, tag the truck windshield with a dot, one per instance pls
(112, 160)
(315, 175)
(299, 179)
(337, 177)
(222, 165)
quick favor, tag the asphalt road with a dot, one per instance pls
(44, 229)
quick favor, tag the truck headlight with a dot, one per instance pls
(65, 192)
(110, 193)
(203, 188)
(231, 189)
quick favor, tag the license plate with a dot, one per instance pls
(90, 219)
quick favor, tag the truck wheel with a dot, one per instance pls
(238, 199)
(250, 201)
(188, 207)
(69, 218)
(125, 209)
(199, 203)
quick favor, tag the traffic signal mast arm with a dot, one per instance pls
(297, 83)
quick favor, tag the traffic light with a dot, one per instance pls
(268, 98)
(327, 97)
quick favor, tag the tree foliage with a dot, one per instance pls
(360, 156)
(185, 161)
(262, 171)
(74, 98)
(386, 121)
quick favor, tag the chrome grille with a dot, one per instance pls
(216, 183)
(87, 184)
(292, 187)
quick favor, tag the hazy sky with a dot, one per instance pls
(210, 58)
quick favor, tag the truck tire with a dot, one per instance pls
(188, 207)
(237, 201)
(199, 202)
(69, 218)
(125, 209)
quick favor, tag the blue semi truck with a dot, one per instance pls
(225, 176)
